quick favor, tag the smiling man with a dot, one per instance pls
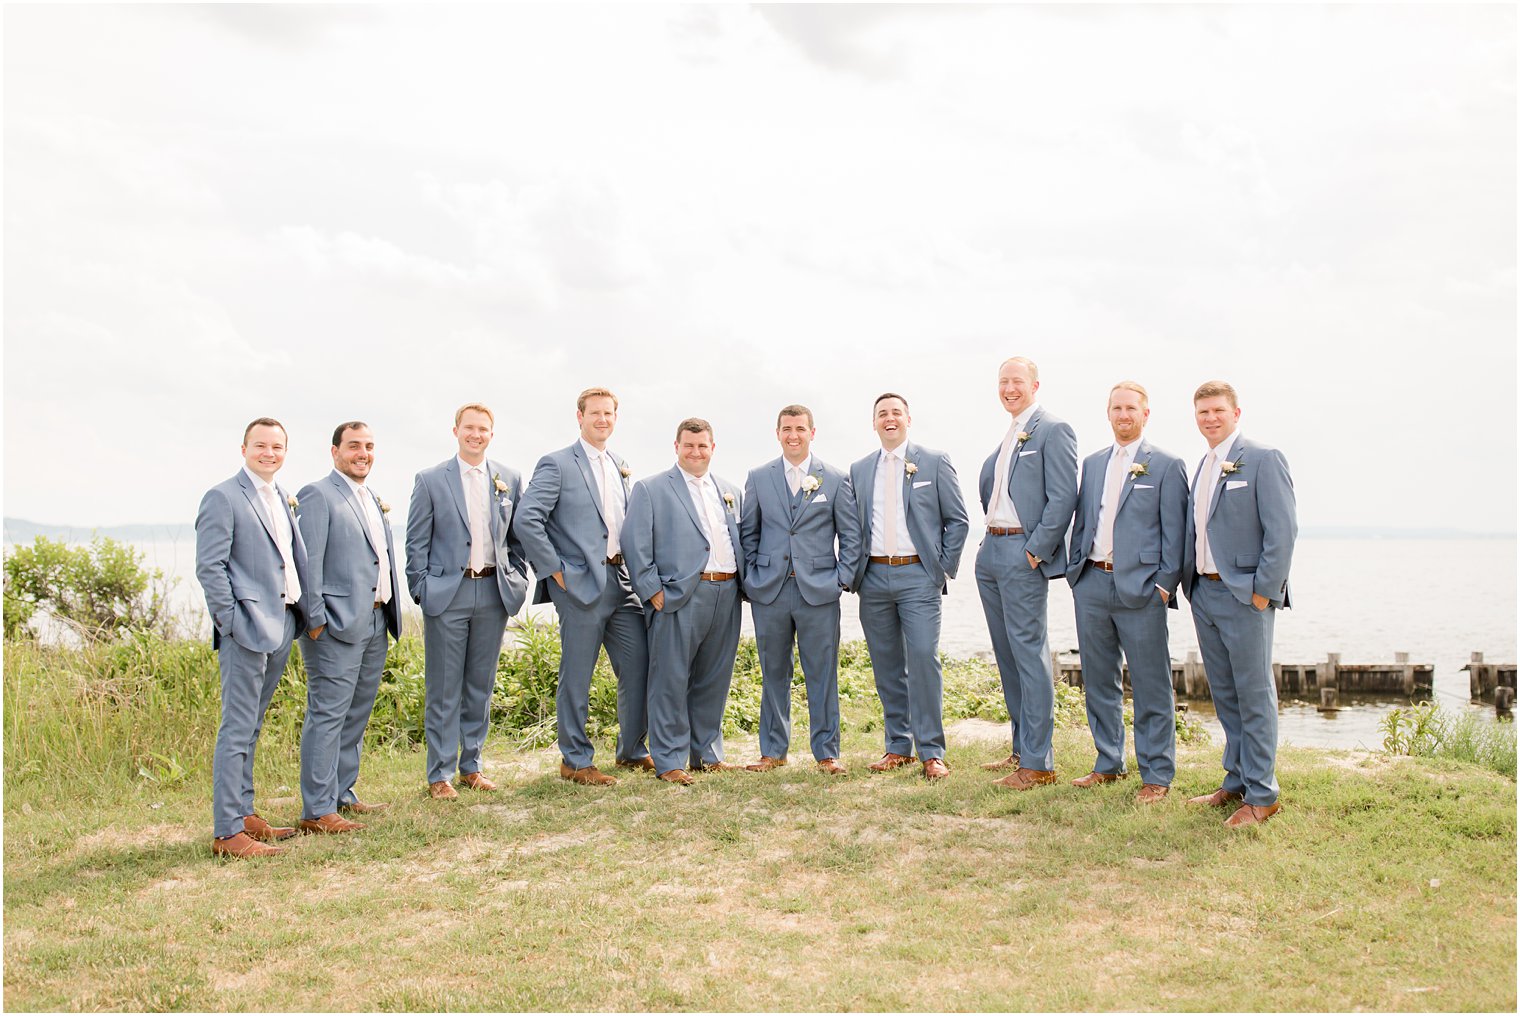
(913, 528)
(570, 522)
(801, 542)
(1029, 490)
(1242, 524)
(251, 562)
(681, 541)
(354, 606)
(467, 570)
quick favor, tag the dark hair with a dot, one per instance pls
(795, 410)
(350, 425)
(693, 425)
(264, 421)
(889, 395)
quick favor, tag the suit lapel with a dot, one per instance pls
(1142, 458)
(454, 481)
(1220, 481)
(865, 497)
(730, 519)
(579, 455)
(346, 492)
(1013, 456)
(258, 506)
(910, 454)
(683, 496)
(493, 520)
(778, 482)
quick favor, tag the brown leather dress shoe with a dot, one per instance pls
(891, 760)
(441, 791)
(1150, 793)
(646, 763)
(1011, 762)
(1218, 799)
(475, 781)
(832, 766)
(362, 807)
(590, 776)
(1252, 814)
(242, 845)
(330, 823)
(1026, 779)
(935, 769)
(1094, 778)
(766, 764)
(261, 830)
(716, 767)
(677, 776)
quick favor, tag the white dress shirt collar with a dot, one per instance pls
(465, 467)
(258, 484)
(804, 466)
(1021, 421)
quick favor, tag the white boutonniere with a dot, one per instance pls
(728, 501)
(1227, 467)
(1021, 437)
(501, 486)
(811, 483)
(625, 471)
(910, 468)
(385, 507)
(294, 504)
(1139, 469)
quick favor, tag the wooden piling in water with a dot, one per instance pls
(1485, 679)
(1399, 679)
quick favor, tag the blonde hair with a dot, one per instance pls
(1026, 363)
(594, 393)
(1211, 389)
(1132, 386)
(477, 407)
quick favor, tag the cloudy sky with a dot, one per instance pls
(317, 213)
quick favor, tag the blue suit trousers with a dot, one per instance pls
(691, 664)
(1014, 598)
(900, 615)
(1236, 642)
(248, 683)
(786, 621)
(461, 648)
(617, 622)
(341, 681)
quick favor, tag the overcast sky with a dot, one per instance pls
(214, 213)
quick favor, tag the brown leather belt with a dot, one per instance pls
(719, 576)
(484, 573)
(1004, 531)
(616, 560)
(1211, 576)
(1102, 566)
(378, 604)
(895, 561)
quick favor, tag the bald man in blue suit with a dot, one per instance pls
(1242, 525)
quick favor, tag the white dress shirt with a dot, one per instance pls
(482, 547)
(889, 469)
(609, 488)
(374, 519)
(1115, 472)
(712, 514)
(795, 474)
(1208, 484)
(1000, 510)
(276, 511)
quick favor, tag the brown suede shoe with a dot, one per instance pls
(590, 776)
(677, 776)
(832, 766)
(889, 761)
(716, 767)
(1151, 793)
(766, 764)
(1026, 779)
(1094, 778)
(646, 763)
(1011, 762)
(363, 808)
(1218, 799)
(1252, 814)
(441, 791)
(935, 769)
(330, 823)
(261, 830)
(475, 781)
(242, 845)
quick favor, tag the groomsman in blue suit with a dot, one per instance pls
(681, 541)
(251, 563)
(570, 522)
(1242, 523)
(1029, 491)
(913, 528)
(467, 570)
(1125, 563)
(797, 509)
(354, 607)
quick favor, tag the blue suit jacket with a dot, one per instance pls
(779, 541)
(662, 540)
(936, 511)
(438, 537)
(1150, 524)
(560, 522)
(1042, 481)
(1253, 523)
(240, 568)
(343, 561)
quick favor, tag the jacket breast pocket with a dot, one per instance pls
(827, 562)
(1150, 557)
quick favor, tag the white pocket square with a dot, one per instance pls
(822, 497)
(921, 483)
(1032, 451)
(1235, 484)
(1145, 486)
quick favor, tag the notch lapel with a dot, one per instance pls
(579, 454)
(345, 492)
(1142, 457)
(258, 506)
(455, 482)
(778, 481)
(683, 497)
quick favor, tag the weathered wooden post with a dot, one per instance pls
(1504, 700)
(1329, 700)
(1191, 674)
(1475, 676)
(1408, 672)
(1328, 676)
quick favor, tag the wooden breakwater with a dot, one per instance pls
(1324, 681)
(1484, 679)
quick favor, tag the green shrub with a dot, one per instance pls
(100, 591)
(1427, 730)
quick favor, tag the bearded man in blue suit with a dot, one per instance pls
(801, 540)
(467, 570)
(1029, 492)
(570, 522)
(913, 528)
(1125, 563)
(681, 541)
(251, 563)
(1242, 524)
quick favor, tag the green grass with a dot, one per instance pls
(1386, 883)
